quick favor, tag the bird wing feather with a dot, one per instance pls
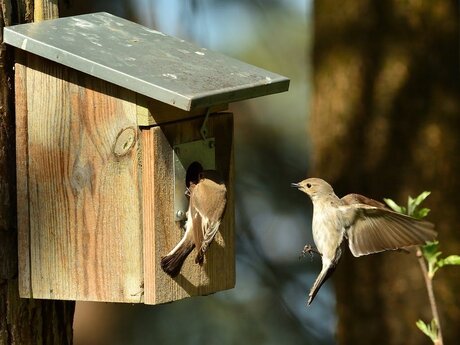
(210, 211)
(354, 198)
(373, 229)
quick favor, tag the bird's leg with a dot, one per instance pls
(308, 249)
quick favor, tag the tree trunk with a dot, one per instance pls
(22, 321)
(385, 123)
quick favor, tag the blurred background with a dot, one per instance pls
(374, 108)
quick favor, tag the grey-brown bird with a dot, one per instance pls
(367, 224)
(207, 201)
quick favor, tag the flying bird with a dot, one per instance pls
(207, 200)
(367, 225)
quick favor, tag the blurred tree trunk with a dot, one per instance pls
(22, 321)
(386, 123)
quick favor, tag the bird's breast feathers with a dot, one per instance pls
(328, 231)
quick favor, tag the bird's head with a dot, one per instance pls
(313, 187)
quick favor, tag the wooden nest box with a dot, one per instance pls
(109, 115)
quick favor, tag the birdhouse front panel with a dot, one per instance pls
(79, 191)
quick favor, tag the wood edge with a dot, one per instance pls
(226, 124)
(232, 282)
(147, 211)
(231, 279)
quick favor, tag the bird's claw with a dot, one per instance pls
(308, 249)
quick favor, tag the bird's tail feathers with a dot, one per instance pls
(200, 257)
(325, 273)
(172, 263)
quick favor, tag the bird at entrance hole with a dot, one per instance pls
(207, 200)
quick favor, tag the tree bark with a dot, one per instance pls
(385, 122)
(22, 321)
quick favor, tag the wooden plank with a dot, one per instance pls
(85, 225)
(45, 9)
(21, 177)
(156, 161)
(161, 232)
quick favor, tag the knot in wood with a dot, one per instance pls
(125, 141)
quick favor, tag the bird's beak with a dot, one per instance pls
(295, 185)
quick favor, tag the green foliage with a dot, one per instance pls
(395, 207)
(431, 254)
(413, 205)
(430, 249)
(431, 329)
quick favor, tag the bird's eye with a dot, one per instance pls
(308, 185)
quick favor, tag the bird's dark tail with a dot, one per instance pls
(173, 262)
(322, 277)
(200, 257)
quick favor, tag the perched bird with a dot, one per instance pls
(367, 224)
(207, 199)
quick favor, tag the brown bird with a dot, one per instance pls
(207, 201)
(367, 224)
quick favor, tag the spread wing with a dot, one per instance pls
(373, 229)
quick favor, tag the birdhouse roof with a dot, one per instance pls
(143, 60)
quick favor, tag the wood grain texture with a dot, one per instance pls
(95, 193)
(45, 9)
(161, 232)
(22, 177)
(84, 198)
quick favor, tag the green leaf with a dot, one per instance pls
(394, 206)
(422, 213)
(430, 330)
(410, 206)
(413, 204)
(421, 198)
(434, 331)
(423, 327)
(431, 254)
(430, 249)
(450, 260)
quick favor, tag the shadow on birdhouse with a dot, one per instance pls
(110, 115)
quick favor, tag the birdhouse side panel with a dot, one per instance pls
(162, 232)
(81, 177)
